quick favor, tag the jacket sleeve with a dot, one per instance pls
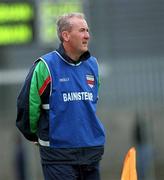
(22, 120)
(40, 81)
(29, 101)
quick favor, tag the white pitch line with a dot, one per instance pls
(12, 76)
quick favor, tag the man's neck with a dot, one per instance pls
(83, 57)
(74, 56)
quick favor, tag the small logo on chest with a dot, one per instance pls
(90, 80)
(64, 79)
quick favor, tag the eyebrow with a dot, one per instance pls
(84, 29)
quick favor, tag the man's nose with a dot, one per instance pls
(87, 35)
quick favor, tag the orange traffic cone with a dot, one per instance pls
(129, 167)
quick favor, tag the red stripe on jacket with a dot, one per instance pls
(46, 82)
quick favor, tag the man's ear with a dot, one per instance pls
(65, 35)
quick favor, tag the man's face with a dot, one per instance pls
(78, 37)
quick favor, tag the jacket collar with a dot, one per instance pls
(83, 57)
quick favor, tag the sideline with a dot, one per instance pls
(14, 76)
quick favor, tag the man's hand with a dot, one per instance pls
(36, 143)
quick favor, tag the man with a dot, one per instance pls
(57, 106)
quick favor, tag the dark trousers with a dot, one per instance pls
(71, 172)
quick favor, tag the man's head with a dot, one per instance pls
(73, 32)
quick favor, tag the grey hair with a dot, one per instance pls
(63, 23)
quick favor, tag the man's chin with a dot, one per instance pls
(85, 49)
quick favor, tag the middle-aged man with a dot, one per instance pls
(57, 106)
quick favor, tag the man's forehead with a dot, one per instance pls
(75, 21)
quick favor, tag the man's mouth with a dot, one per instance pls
(85, 43)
